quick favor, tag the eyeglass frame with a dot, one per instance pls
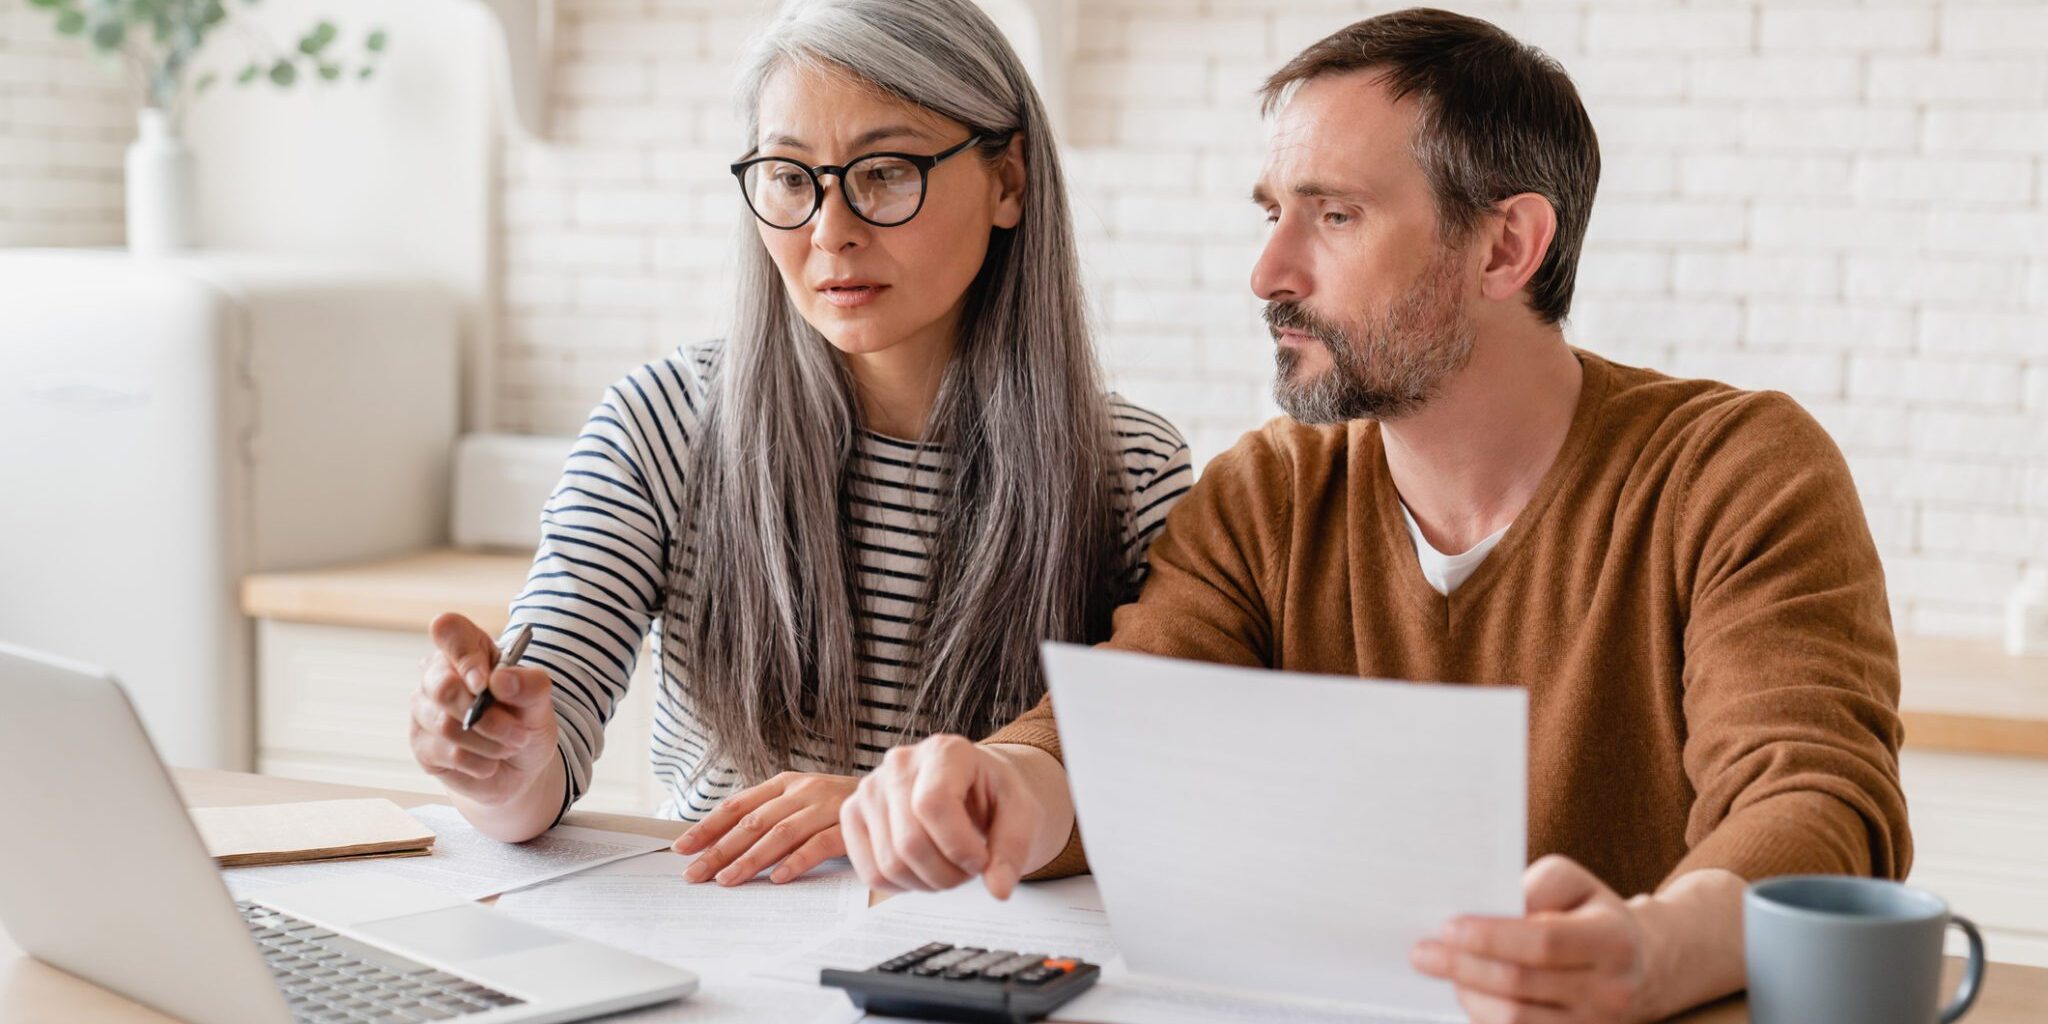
(923, 162)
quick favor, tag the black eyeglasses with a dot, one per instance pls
(884, 189)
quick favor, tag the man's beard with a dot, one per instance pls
(1388, 368)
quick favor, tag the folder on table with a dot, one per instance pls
(323, 830)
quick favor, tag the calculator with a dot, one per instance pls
(937, 981)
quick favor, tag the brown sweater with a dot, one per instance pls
(1691, 596)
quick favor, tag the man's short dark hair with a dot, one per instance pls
(1498, 118)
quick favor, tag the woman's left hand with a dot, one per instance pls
(792, 818)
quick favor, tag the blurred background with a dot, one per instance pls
(421, 281)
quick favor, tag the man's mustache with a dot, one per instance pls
(1292, 315)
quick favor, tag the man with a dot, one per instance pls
(1678, 571)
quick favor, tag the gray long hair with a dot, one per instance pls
(1027, 545)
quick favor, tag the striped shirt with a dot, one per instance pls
(614, 522)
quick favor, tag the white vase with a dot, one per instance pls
(161, 218)
(2026, 616)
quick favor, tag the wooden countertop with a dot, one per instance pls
(1959, 695)
(396, 593)
(1972, 697)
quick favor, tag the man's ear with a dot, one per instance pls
(1011, 177)
(1518, 237)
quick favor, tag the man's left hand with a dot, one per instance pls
(1582, 954)
(1578, 956)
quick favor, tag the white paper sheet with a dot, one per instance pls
(642, 904)
(1267, 831)
(1061, 917)
(1056, 918)
(1124, 998)
(730, 992)
(466, 862)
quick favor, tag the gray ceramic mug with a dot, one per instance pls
(1829, 949)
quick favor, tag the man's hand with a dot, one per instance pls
(1583, 954)
(791, 820)
(940, 812)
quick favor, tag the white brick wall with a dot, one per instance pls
(1847, 201)
(65, 121)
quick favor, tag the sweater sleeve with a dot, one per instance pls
(600, 573)
(1207, 596)
(1791, 669)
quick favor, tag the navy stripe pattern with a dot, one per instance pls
(614, 522)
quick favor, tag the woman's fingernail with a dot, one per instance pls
(476, 680)
(779, 875)
(1427, 957)
(697, 872)
(511, 686)
(728, 876)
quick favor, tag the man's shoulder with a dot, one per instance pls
(1657, 412)
(1702, 430)
(1284, 449)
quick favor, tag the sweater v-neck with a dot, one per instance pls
(1382, 502)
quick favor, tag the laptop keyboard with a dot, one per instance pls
(333, 979)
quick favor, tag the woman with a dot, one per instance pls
(855, 519)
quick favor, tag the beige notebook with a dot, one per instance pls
(324, 830)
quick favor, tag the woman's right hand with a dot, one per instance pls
(512, 743)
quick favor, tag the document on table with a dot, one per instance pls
(642, 904)
(730, 993)
(466, 862)
(1063, 917)
(1264, 831)
(1058, 917)
(1125, 998)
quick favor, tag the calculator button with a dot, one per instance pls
(1061, 965)
(1004, 968)
(1034, 975)
(939, 964)
(972, 966)
(899, 964)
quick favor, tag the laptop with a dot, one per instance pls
(105, 877)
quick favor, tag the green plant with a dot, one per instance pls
(160, 38)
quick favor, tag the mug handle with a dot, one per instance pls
(1973, 973)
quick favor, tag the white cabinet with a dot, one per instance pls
(1980, 835)
(338, 659)
(168, 426)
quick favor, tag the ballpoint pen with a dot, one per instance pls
(484, 700)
